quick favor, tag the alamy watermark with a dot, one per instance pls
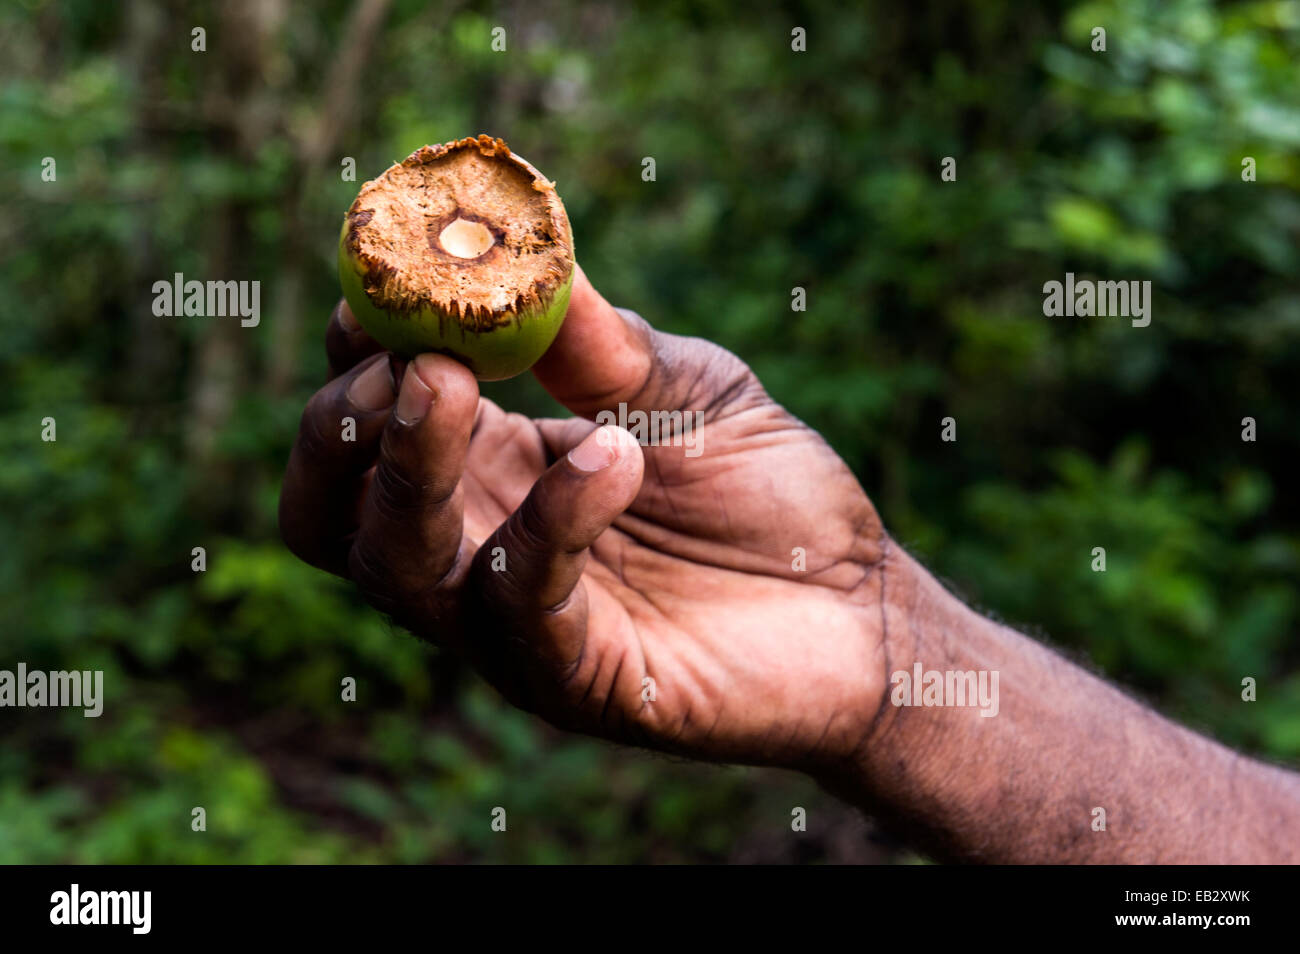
(1086, 299)
(36, 689)
(196, 299)
(131, 908)
(947, 688)
(657, 428)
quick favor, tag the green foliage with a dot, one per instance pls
(774, 169)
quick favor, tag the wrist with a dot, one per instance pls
(927, 635)
(904, 766)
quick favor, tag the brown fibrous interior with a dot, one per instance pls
(466, 228)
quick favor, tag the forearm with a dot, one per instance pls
(1024, 785)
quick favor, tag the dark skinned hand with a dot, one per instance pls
(636, 593)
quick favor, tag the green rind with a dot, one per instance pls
(493, 355)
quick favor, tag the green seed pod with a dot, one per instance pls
(463, 249)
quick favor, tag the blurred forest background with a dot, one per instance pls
(774, 169)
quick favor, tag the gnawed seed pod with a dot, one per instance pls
(463, 249)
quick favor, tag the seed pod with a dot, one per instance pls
(463, 249)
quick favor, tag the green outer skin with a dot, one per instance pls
(492, 355)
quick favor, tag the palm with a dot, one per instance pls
(700, 582)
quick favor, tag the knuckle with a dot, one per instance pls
(725, 385)
(320, 427)
(384, 588)
(412, 595)
(395, 495)
(529, 527)
(402, 498)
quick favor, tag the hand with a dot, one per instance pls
(646, 594)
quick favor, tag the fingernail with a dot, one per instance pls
(416, 397)
(597, 451)
(373, 389)
(347, 321)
